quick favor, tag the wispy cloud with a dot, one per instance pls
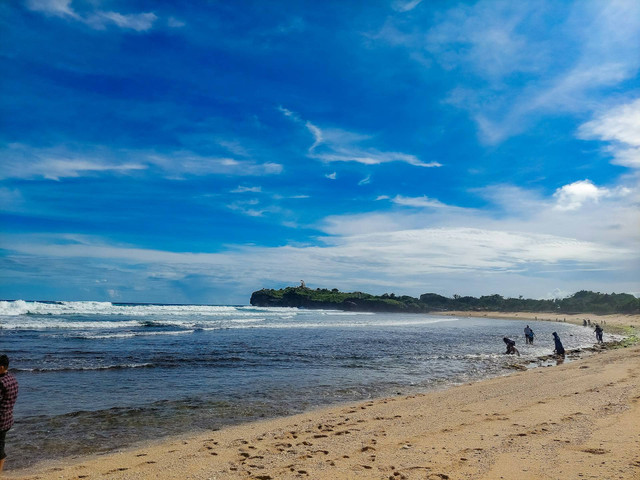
(243, 189)
(21, 161)
(418, 202)
(60, 8)
(341, 146)
(317, 135)
(498, 44)
(139, 22)
(26, 162)
(10, 199)
(98, 19)
(405, 5)
(248, 207)
(288, 113)
(175, 23)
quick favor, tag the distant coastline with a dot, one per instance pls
(579, 303)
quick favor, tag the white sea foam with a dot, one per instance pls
(21, 307)
(98, 367)
(406, 322)
(40, 323)
(133, 334)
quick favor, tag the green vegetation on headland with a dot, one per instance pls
(580, 302)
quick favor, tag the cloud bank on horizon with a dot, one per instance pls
(160, 152)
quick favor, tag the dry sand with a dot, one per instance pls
(577, 420)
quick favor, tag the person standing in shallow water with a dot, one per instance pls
(559, 349)
(598, 331)
(528, 334)
(8, 397)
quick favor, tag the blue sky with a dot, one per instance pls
(192, 152)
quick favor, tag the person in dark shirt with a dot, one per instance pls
(598, 331)
(8, 397)
(511, 346)
(559, 349)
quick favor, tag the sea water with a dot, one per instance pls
(99, 376)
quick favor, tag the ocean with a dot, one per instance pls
(95, 377)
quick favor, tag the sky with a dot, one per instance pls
(193, 152)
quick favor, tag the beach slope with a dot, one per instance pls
(576, 420)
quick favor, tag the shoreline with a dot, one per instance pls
(614, 323)
(321, 434)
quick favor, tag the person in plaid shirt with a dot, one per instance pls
(8, 396)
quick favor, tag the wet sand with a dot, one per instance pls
(576, 420)
(616, 323)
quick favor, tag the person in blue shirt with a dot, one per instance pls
(528, 334)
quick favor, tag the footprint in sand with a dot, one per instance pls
(596, 451)
(121, 469)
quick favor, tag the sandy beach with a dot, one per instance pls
(580, 419)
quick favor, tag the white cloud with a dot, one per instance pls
(331, 176)
(577, 194)
(407, 260)
(525, 244)
(621, 126)
(574, 195)
(419, 202)
(611, 219)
